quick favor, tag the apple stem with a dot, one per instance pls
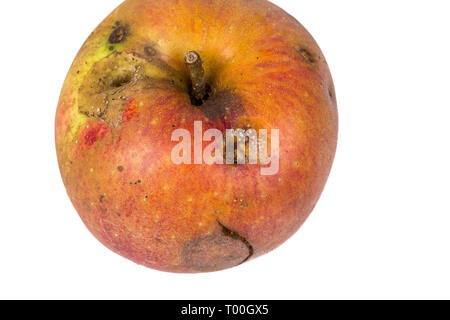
(197, 74)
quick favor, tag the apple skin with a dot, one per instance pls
(269, 73)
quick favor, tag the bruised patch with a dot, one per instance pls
(131, 110)
(93, 133)
(220, 250)
(234, 235)
(222, 105)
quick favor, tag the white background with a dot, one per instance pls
(380, 230)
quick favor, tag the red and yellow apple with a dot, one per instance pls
(130, 87)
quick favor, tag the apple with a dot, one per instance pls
(157, 66)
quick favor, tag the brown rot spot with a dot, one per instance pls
(102, 92)
(107, 89)
(120, 168)
(150, 51)
(118, 35)
(306, 55)
(330, 93)
(220, 250)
